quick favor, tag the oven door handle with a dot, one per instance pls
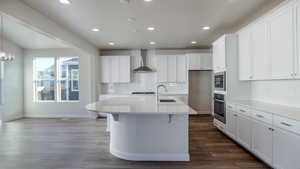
(222, 101)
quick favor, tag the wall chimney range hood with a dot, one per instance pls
(143, 68)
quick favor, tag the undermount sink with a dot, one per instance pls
(167, 100)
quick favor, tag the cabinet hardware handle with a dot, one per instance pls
(242, 110)
(286, 124)
(271, 129)
(235, 115)
(230, 107)
(260, 116)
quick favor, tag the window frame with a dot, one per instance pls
(57, 80)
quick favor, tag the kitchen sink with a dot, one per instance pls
(167, 100)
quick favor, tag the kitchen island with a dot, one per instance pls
(143, 128)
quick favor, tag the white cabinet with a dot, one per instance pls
(181, 68)
(199, 61)
(245, 55)
(219, 55)
(286, 149)
(243, 131)
(172, 68)
(262, 140)
(282, 43)
(297, 58)
(261, 66)
(231, 121)
(115, 69)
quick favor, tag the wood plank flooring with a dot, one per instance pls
(83, 144)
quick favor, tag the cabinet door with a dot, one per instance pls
(262, 141)
(194, 61)
(171, 68)
(162, 68)
(124, 71)
(260, 47)
(105, 69)
(231, 123)
(282, 44)
(219, 55)
(206, 61)
(181, 69)
(286, 150)
(115, 69)
(297, 58)
(245, 55)
(243, 131)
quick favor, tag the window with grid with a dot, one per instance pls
(56, 79)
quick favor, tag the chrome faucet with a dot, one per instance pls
(157, 94)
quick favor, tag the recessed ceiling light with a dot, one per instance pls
(111, 43)
(151, 28)
(206, 28)
(152, 43)
(147, 0)
(194, 42)
(65, 1)
(95, 30)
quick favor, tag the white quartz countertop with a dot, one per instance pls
(129, 104)
(275, 109)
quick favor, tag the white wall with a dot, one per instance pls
(33, 109)
(283, 92)
(12, 84)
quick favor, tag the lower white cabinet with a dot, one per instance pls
(231, 122)
(243, 130)
(286, 150)
(262, 141)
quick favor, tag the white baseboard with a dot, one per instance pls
(150, 156)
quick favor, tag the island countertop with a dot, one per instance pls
(140, 105)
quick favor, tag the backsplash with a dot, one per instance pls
(283, 92)
(142, 82)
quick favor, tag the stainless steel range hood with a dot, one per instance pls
(143, 68)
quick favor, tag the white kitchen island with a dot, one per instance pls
(142, 129)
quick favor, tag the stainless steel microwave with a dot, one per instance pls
(220, 81)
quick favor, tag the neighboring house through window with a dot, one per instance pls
(56, 79)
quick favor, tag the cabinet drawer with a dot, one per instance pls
(243, 110)
(230, 107)
(262, 116)
(287, 124)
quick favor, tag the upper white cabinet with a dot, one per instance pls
(172, 68)
(269, 48)
(282, 43)
(219, 55)
(245, 55)
(199, 61)
(115, 69)
(261, 66)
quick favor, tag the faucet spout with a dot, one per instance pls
(157, 88)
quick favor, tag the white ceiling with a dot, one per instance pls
(178, 22)
(26, 37)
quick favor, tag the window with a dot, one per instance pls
(56, 79)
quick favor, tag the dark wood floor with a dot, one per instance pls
(83, 144)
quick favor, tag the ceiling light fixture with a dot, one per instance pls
(194, 42)
(206, 28)
(95, 30)
(111, 43)
(65, 1)
(152, 43)
(147, 0)
(151, 28)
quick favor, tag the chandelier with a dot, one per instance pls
(4, 57)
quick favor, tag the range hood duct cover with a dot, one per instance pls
(143, 68)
